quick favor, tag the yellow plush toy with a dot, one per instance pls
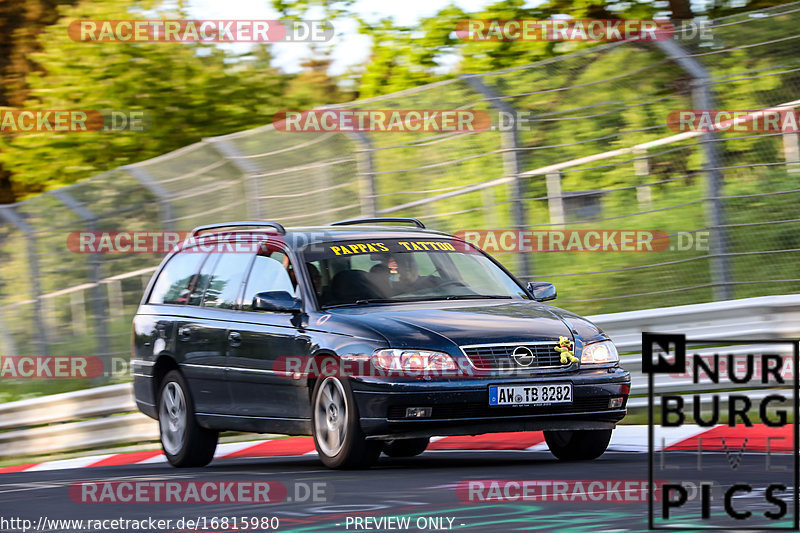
(564, 348)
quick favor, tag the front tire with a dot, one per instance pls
(338, 437)
(405, 447)
(184, 441)
(583, 445)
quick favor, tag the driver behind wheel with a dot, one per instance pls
(409, 279)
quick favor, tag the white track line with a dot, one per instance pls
(63, 464)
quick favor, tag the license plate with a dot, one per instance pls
(530, 394)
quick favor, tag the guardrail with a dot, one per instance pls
(69, 421)
(762, 317)
(56, 408)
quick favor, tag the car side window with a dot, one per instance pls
(198, 286)
(226, 281)
(270, 272)
(178, 278)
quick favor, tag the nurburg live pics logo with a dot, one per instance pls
(756, 420)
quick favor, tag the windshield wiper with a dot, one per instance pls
(364, 302)
(475, 296)
(368, 301)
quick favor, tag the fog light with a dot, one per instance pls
(615, 403)
(418, 412)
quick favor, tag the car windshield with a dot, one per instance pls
(404, 270)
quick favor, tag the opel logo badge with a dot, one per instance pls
(523, 356)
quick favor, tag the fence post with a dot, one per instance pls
(490, 198)
(40, 336)
(366, 173)
(715, 217)
(512, 164)
(98, 298)
(791, 151)
(116, 304)
(160, 193)
(77, 305)
(641, 168)
(249, 170)
(7, 344)
(555, 199)
(50, 317)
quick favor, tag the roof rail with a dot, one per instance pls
(209, 227)
(353, 221)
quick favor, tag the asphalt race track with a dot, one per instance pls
(422, 489)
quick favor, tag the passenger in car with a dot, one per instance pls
(352, 285)
(316, 279)
(379, 275)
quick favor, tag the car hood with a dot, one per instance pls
(439, 325)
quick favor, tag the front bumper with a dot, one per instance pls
(461, 406)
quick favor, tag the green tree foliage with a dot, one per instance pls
(404, 57)
(313, 85)
(20, 23)
(187, 90)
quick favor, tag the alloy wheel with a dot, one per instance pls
(331, 413)
(172, 415)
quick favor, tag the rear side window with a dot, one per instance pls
(227, 279)
(198, 286)
(270, 272)
(174, 281)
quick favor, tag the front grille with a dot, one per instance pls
(482, 410)
(501, 356)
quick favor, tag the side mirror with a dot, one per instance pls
(277, 302)
(542, 291)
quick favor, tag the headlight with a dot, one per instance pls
(413, 360)
(599, 352)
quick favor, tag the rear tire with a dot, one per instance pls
(184, 441)
(338, 437)
(583, 445)
(405, 447)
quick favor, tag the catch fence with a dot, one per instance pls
(592, 152)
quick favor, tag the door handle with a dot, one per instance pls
(234, 339)
(184, 333)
